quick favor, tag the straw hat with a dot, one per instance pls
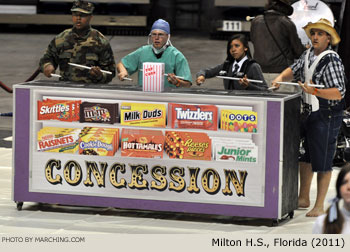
(324, 25)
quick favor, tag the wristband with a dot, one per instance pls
(315, 91)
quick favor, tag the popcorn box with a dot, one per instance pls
(142, 143)
(143, 114)
(239, 120)
(153, 77)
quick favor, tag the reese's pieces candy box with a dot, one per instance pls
(188, 145)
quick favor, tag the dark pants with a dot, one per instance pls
(320, 131)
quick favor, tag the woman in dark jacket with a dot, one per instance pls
(237, 64)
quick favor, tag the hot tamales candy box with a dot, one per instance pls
(54, 139)
(193, 116)
(142, 143)
(99, 141)
(143, 114)
(239, 120)
(188, 145)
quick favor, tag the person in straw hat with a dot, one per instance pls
(322, 109)
(82, 45)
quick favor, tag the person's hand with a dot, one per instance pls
(122, 75)
(48, 70)
(200, 80)
(306, 88)
(274, 84)
(95, 72)
(244, 81)
(173, 80)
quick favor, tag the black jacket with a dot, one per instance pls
(266, 52)
(249, 67)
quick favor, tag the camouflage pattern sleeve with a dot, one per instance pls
(106, 60)
(89, 49)
(50, 56)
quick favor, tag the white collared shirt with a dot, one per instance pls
(240, 63)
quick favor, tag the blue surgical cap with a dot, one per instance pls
(161, 24)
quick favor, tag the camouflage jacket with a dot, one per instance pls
(89, 49)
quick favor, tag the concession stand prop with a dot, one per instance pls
(232, 153)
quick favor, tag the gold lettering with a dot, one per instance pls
(91, 167)
(177, 178)
(113, 175)
(67, 172)
(137, 180)
(206, 179)
(158, 173)
(193, 188)
(231, 176)
(52, 163)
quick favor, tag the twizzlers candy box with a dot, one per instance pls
(153, 77)
(184, 116)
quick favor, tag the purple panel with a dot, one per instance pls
(22, 193)
(21, 160)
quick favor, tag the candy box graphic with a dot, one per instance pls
(99, 141)
(153, 77)
(187, 145)
(235, 150)
(143, 114)
(239, 120)
(55, 139)
(62, 110)
(98, 112)
(193, 116)
(142, 143)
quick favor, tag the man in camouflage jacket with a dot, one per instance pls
(81, 45)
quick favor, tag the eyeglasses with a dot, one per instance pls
(79, 14)
(160, 35)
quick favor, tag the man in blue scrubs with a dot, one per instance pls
(160, 51)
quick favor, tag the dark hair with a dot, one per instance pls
(243, 39)
(336, 226)
(278, 6)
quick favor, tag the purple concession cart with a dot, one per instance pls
(259, 180)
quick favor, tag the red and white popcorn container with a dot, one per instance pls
(153, 77)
